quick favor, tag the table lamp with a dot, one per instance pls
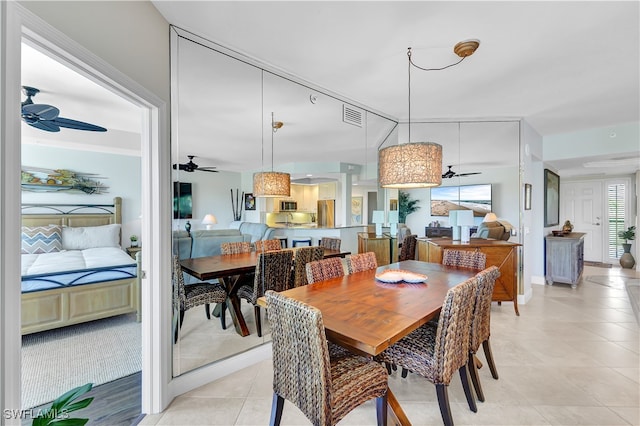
(455, 228)
(378, 219)
(465, 220)
(209, 220)
(393, 222)
(490, 217)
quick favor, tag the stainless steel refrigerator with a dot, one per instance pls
(326, 213)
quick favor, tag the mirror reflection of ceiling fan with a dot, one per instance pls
(190, 166)
(45, 117)
(450, 173)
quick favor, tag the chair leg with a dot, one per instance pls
(388, 365)
(175, 334)
(256, 310)
(475, 377)
(443, 402)
(489, 356)
(223, 319)
(468, 392)
(404, 373)
(276, 410)
(207, 310)
(381, 410)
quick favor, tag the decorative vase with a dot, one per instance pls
(626, 260)
(187, 226)
(134, 243)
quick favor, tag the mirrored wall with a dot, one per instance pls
(222, 105)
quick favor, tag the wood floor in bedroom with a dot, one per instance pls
(115, 403)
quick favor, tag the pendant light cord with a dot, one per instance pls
(272, 132)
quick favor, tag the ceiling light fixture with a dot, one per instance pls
(272, 184)
(417, 164)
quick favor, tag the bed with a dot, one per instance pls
(73, 267)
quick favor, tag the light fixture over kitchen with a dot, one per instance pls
(417, 164)
(272, 184)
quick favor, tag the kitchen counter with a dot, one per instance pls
(347, 234)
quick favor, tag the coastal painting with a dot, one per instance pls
(465, 197)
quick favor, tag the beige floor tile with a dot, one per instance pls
(571, 415)
(630, 373)
(605, 385)
(150, 419)
(202, 411)
(630, 414)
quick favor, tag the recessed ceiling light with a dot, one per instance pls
(632, 161)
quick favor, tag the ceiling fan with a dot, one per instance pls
(45, 117)
(450, 173)
(190, 166)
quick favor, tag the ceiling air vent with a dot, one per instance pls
(351, 115)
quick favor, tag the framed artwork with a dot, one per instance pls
(356, 210)
(393, 204)
(249, 202)
(551, 198)
(527, 196)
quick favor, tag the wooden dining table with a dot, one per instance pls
(229, 269)
(366, 315)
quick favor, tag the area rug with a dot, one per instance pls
(597, 264)
(97, 352)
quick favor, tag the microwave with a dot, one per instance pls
(288, 206)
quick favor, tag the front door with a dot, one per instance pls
(582, 204)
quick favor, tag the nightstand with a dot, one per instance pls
(132, 251)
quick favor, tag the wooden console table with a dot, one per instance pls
(384, 246)
(503, 254)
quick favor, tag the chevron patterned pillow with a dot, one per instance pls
(41, 239)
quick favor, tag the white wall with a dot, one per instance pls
(122, 175)
(592, 142)
(211, 193)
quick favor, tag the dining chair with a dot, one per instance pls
(267, 245)
(235, 247)
(361, 262)
(481, 326)
(408, 248)
(330, 243)
(464, 259)
(436, 353)
(324, 388)
(188, 296)
(324, 269)
(273, 272)
(302, 256)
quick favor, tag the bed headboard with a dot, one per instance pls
(72, 215)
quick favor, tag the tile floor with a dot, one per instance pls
(570, 358)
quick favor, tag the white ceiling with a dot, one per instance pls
(563, 66)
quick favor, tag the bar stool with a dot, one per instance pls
(300, 240)
(283, 241)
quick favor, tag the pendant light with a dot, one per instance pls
(417, 164)
(272, 184)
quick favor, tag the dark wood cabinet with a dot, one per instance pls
(503, 254)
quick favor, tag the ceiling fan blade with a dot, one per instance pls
(39, 112)
(469, 174)
(207, 169)
(48, 126)
(78, 125)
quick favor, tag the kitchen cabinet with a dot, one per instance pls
(306, 196)
(503, 254)
(327, 191)
(564, 258)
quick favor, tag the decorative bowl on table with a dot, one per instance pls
(559, 233)
(399, 275)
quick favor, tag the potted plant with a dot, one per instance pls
(58, 414)
(406, 206)
(134, 240)
(626, 260)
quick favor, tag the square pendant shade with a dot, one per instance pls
(271, 184)
(410, 165)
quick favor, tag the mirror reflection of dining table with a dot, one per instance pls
(367, 315)
(229, 270)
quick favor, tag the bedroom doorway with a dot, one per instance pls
(100, 351)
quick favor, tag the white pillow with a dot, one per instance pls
(81, 238)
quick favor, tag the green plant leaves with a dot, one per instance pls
(58, 414)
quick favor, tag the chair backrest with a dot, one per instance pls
(324, 269)
(481, 323)
(235, 248)
(273, 272)
(361, 262)
(304, 255)
(408, 249)
(464, 259)
(177, 282)
(451, 349)
(267, 245)
(301, 369)
(330, 243)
